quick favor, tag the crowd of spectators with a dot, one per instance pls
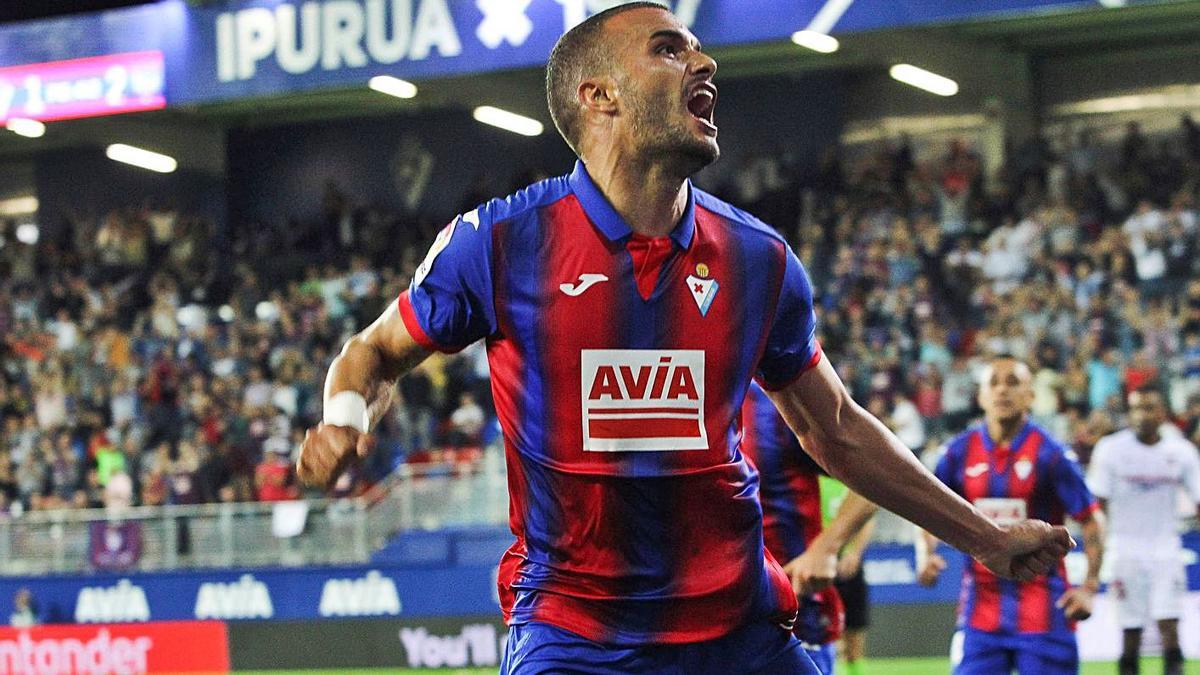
(143, 343)
(1077, 257)
(146, 343)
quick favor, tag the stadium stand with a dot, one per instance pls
(192, 374)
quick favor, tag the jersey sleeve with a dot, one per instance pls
(946, 469)
(1099, 475)
(449, 303)
(1191, 472)
(1072, 489)
(792, 346)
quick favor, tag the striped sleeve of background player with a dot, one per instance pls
(1077, 499)
(449, 303)
(949, 466)
(792, 346)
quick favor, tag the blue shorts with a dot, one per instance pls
(823, 657)
(538, 648)
(975, 652)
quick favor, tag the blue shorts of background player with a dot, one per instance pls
(759, 648)
(823, 657)
(975, 652)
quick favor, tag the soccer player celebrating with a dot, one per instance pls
(625, 313)
(1137, 474)
(793, 518)
(1011, 469)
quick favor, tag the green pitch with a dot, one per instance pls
(936, 666)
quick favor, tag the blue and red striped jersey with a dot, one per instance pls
(619, 365)
(791, 501)
(1034, 477)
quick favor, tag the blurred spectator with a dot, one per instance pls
(907, 423)
(24, 614)
(466, 421)
(275, 478)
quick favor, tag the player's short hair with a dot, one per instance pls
(997, 358)
(1152, 388)
(576, 55)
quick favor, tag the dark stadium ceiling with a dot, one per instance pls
(18, 10)
(1144, 27)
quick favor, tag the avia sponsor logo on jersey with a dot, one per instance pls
(123, 602)
(371, 595)
(476, 645)
(246, 598)
(1003, 510)
(643, 399)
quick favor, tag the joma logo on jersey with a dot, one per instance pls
(642, 399)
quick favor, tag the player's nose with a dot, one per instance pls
(703, 65)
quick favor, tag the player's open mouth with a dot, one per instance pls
(701, 103)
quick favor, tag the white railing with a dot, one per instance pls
(340, 531)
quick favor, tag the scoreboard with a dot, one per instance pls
(88, 87)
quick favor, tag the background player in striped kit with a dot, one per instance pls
(1137, 473)
(625, 314)
(797, 528)
(1012, 469)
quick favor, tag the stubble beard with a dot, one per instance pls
(662, 137)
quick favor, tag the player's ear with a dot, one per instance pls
(599, 94)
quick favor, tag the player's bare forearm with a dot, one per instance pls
(372, 361)
(856, 448)
(859, 541)
(853, 521)
(1093, 548)
(368, 366)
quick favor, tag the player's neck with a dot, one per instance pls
(649, 197)
(1003, 431)
(1148, 439)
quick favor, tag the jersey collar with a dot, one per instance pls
(610, 223)
(1017, 441)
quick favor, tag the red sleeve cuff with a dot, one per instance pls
(1087, 512)
(404, 304)
(812, 363)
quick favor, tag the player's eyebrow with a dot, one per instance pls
(677, 35)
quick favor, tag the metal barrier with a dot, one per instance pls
(342, 531)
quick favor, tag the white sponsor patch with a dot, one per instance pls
(643, 399)
(1004, 511)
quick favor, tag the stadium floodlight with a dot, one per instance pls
(518, 124)
(141, 158)
(19, 206)
(923, 79)
(818, 42)
(28, 233)
(26, 128)
(393, 86)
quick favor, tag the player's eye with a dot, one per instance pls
(668, 49)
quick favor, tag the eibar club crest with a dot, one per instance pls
(703, 291)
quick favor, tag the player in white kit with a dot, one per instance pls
(1137, 474)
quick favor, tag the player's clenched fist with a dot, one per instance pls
(328, 450)
(1029, 549)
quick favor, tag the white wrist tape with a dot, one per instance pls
(347, 409)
